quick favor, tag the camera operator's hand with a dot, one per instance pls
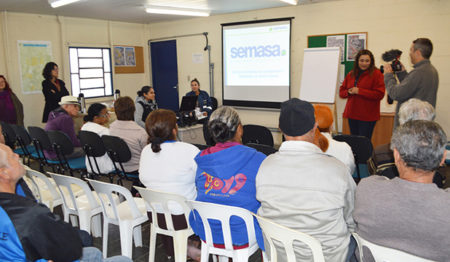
(388, 69)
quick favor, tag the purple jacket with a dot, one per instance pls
(59, 120)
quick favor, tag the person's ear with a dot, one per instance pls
(443, 158)
(397, 157)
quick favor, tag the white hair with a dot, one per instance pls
(415, 109)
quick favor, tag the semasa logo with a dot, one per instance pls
(257, 51)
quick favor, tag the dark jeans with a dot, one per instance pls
(361, 128)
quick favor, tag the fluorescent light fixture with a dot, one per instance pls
(292, 2)
(152, 10)
(58, 3)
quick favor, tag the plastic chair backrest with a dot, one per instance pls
(38, 176)
(257, 134)
(158, 200)
(60, 140)
(361, 146)
(214, 103)
(109, 203)
(22, 133)
(8, 133)
(64, 185)
(287, 236)
(385, 254)
(223, 214)
(40, 136)
(265, 149)
(92, 144)
(117, 149)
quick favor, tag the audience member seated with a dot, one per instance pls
(60, 119)
(226, 175)
(307, 190)
(409, 212)
(340, 150)
(29, 230)
(145, 104)
(168, 165)
(204, 103)
(382, 161)
(95, 120)
(125, 128)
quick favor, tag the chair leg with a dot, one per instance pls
(137, 236)
(126, 238)
(73, 220)
(241, 255)
(97, 225)
(205, 254)
(85, 221)
(105, 238)
(151, 253)
(180, 246)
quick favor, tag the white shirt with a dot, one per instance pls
(104, 162)
(171, 170)
(304, 189)
(342, 151)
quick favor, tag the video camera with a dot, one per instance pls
(393, 56)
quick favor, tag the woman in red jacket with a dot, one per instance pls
(364, 88)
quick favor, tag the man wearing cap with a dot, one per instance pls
(60, 119)
(302, 188)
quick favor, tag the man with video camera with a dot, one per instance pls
(421, 83)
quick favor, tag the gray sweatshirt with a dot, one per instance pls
(408, 216)
(421, 83)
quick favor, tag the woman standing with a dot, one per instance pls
(145, 104)
(11, 109)
(52, 88)
(96, 119)
(203, 100)
(364, 88)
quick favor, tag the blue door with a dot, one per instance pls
(165, 73)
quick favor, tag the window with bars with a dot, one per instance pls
(90, 71)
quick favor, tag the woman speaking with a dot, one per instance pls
(364, 88)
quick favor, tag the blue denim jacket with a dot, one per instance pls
(204, 101)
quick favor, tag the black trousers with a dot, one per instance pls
(361, 128)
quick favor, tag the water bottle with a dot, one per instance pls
(82, 101)
(116, 94)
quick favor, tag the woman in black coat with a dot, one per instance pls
(52, 88)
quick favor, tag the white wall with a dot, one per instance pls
(390, 24)
(63, 32)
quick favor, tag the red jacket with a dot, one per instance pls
(365, 105)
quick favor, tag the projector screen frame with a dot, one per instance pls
(255, 104)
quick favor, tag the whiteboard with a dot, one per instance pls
(320, 74)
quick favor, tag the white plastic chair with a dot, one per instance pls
(223, 214)
(129, 215)
(385, 254)
(158, 202)
(286, 236)
(86, 206)
(44, 189)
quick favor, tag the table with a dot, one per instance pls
(192, 134)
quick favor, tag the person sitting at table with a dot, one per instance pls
(204, 103)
